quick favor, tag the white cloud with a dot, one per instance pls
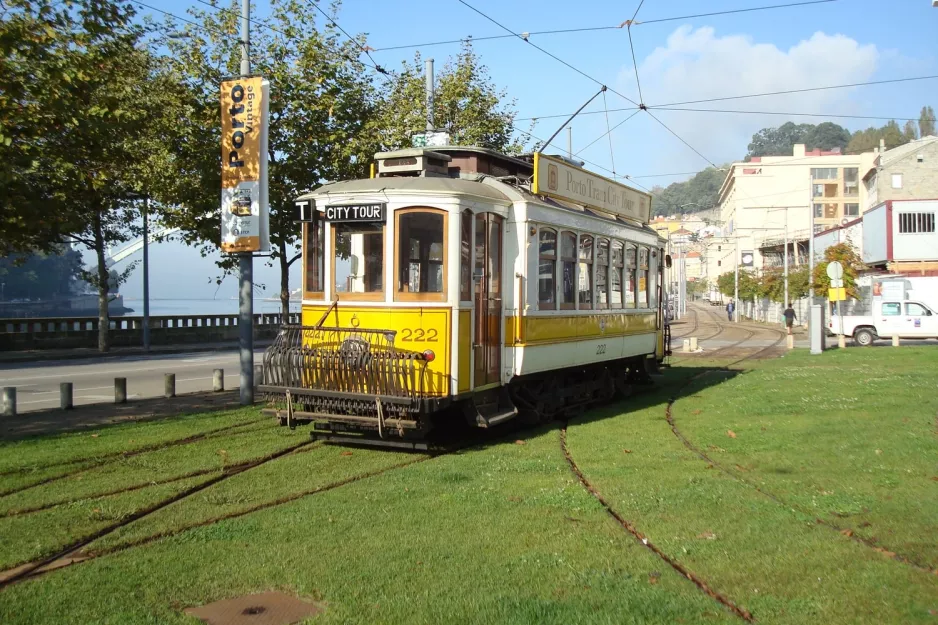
(697, 64)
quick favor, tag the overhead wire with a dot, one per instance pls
(553, 56)
(470, 38)
(791, 114)
(333, 22)
(588, 145)
(612, 154)
(764, 8)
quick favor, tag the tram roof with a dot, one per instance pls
(410, 183)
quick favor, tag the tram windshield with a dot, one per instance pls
(420, 251)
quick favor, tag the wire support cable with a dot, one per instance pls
(731, 11)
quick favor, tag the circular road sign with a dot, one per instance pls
(835, 271)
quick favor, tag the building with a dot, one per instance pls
(900, 237)
(673, 223)
(771, 199)
(718, 257)
(907, 172)
(850, 232)
(693, 266)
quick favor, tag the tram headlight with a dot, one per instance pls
(429, 356)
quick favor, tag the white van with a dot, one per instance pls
(905, 319)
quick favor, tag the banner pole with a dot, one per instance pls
(246, 259)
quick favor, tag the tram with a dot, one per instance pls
(462, 283)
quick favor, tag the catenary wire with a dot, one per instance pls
(872, 117)
(492, 37)
(590, 144)
(752, 95)
(553, 56)
(637, 9)
(695, 150)
(612, 154)
(635, 65)
(774, 6)
(333, 21)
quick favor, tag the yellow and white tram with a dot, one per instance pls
(459, 277)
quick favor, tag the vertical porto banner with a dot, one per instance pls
(245, 220)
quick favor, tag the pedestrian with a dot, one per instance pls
(729, 310)
(789, 317)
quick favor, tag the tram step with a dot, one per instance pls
(491, 408)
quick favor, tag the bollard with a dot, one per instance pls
(895, 340)
(218, 380)
(841, 341)
(693, 343)
(9, 401)
(169, 385)
(65, 396)
(120, 390)
(686, 346)
(791, 341)
(258, 375)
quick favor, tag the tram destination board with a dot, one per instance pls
(355, 212)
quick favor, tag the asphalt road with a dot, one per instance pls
(37, 384)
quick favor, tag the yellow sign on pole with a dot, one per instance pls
(244, 211)
(837, 295)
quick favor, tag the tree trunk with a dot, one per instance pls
(284, 284)
(104, 322)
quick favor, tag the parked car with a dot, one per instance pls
(905, 319)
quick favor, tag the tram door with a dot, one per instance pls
(487, 278)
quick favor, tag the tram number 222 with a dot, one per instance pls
(418, 336)
(601, 349)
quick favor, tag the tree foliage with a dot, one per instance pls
(780, 141)
(867, 140)
(699, 193)
(466, 104)
(322, 120)
(80, 103)
(40, 276)
(749, 284)
(926, 122)
(848, 256)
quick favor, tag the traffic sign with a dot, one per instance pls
(837, 295)
(836, 284)
(835, 271)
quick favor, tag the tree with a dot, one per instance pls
(322, 120)
(749, 286)
(772, 284)
(83, 108)
(868, 140)
(926, 122)
(698, 193)
(41, 275)
(910, 131)
(780, 141)
(466, 104)
(847, 255)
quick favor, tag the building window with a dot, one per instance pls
(851, 210)
(851, 182)
(618, 258)
(568, 269)
(830, 211)
(314, 258)
(719, 263)
(818, 210)
(719, 248)
(585, 277)
(421, 254)
(602, 273)
(547, 270)
(359, 250)
(631, 267)
(465, 256)
(916, 223)
(817, 190)
(897, 181)
(920, 158)
(824, 173)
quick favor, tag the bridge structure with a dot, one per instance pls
(118, 253)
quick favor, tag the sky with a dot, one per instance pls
(831, 43)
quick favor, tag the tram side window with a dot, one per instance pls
(585, 277)
(643, 283)
(602, 273)
(421, 253)
(653, 280)
(547, 269)
(314, 258)
(465, 257)
(615, 292)
(359, 260)
(631, 267)
(568, 270)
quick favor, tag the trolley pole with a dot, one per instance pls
(570, 142)
(246, 259)
(430, 93)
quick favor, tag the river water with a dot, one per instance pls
(203, 306)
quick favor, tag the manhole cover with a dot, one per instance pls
(266, 608)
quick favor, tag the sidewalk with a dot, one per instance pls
(38, 355)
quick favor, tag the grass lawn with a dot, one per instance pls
(504, 532)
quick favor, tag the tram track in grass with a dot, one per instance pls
(643, 540)
(96, 462)
(845, 531)
(75, 553)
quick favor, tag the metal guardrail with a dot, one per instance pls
(157, 322)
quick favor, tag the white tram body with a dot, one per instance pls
(480, 274)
